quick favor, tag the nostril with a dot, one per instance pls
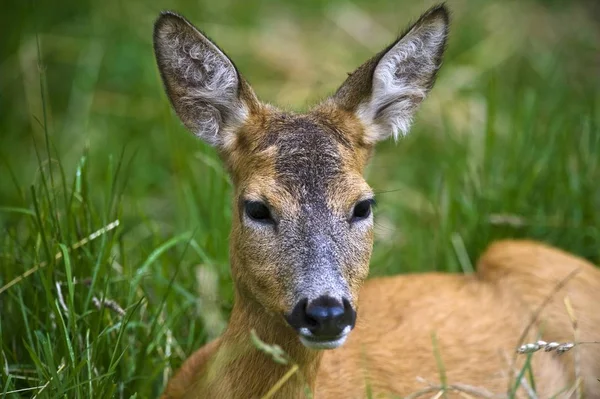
(349, 313)
(298, 318)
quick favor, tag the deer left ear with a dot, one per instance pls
(386, 91)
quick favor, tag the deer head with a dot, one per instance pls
(302, 229)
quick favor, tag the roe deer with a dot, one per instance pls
(302, 236)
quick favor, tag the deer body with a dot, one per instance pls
(391, 350)
(301, 241)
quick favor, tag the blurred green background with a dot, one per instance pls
(506, 145)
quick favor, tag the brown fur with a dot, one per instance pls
(477, 321)
(305, 171)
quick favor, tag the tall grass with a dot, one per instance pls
(114, 220)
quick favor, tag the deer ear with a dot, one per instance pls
(204, 87)
(386, 91)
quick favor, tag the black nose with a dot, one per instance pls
(325, 317)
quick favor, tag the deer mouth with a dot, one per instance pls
(312, 341)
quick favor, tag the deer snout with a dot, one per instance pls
(327, 318)
(323, 323)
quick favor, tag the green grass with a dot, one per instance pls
(507, 145)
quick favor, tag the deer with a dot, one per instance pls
(302, 236)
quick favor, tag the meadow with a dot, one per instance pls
(114, 220)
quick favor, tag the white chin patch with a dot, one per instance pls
(311, 342)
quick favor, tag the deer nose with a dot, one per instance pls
(325, 317)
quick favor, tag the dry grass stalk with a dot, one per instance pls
(465, 390)
(59, 255)
(536, 314)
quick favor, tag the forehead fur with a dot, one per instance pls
(302, 152)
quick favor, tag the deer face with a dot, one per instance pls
(302, 229)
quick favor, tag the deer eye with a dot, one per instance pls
(258, 211)
(362, 210)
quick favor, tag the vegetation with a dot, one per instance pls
(114, 221)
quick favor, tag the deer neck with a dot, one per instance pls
(240, 369)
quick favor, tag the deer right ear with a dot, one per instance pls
(386, 90)
(204, 87)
